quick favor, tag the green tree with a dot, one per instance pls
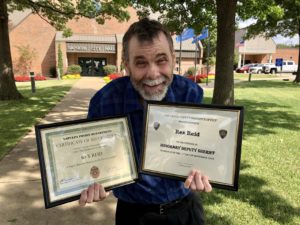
(27, 55)
(273, 17)
(60, 63)
(178, 14)
(57, 13)
(224, 88)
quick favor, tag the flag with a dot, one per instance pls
(185, 35)
(241, 43)
(203, 35)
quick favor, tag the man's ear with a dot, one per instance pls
(126, 66)
(173, 60)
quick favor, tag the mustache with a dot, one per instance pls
(150, 82)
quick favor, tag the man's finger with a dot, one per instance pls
(96, 192)
(83, 197)
(189, 179)
(102, 193)
(90, 194)
(207, 185)
(198, 181)
(193, 186)
(108, 193)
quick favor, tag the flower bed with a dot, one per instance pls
(27, 78)
(199, 78)
(111, 77)
(71, 76)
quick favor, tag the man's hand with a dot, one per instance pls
(94, 193)
(197, 181)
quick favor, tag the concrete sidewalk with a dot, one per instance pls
(21, 195)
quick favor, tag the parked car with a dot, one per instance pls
(258, 68)
(287, 67)
(245, 68)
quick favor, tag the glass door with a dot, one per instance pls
(92, 66)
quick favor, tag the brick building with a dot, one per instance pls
(91, 46)
(261, 50)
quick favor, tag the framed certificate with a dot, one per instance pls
(77, 153)
(182, 137)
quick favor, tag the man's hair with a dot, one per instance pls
(144, 30)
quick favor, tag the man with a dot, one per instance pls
(149, 59)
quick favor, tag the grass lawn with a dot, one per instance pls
(269, 190)
(17, 117)
(269, 186)
(245, 76)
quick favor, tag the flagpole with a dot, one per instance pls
(195, 59)
(207, 60)
(244, 53)
(180, 55)
(180, 48)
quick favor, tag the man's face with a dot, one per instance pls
(150, 66)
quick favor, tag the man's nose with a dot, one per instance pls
(153, 72)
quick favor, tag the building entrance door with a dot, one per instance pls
(92, 66)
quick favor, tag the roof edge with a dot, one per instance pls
(21, 21)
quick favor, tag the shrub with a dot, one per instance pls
(60, 63)
(191, 70)
(74, 69)
(26, 56)
(109, 69)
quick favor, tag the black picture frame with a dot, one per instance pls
(154, 153)
(53, 196)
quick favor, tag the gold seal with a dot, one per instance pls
(95, 172)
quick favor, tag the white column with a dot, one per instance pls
(240, 60)
(270, 58)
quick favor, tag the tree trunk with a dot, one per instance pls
(8, 89)
(297, 79)
(224, 87)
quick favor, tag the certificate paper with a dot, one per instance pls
(77, 153)
(179, 138)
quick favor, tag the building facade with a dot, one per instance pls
(91, 46)
(261, 50)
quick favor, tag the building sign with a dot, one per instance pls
(279, 62)
(91, 48)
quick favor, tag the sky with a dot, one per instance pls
(278, 39)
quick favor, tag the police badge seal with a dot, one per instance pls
(156, 125)
(95, 172)
(223, 133)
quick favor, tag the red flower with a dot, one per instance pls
(114, 76)
(199, 77)
(27, 78)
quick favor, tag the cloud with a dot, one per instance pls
(286, 40)
(278, 39)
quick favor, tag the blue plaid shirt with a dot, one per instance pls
(119, 97)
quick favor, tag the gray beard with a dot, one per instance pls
(146, 96)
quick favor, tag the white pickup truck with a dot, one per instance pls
(287, 67)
